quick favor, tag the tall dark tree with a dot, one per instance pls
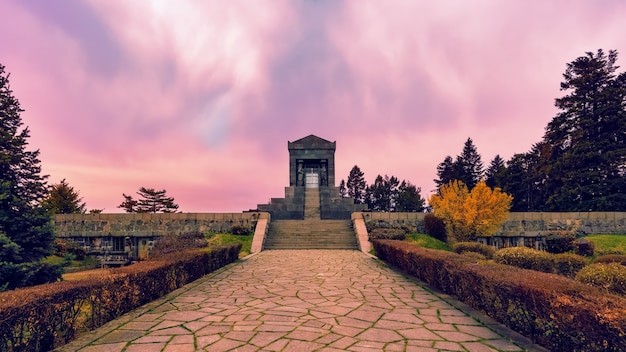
(356, 185)
(383, 193)
(26, 234)
(409, 198)
(129, 204)
(587, 138)
(64, 199)
(446, 172)
(343, 191)
(495, 172)
(468, 165)
(150, 201)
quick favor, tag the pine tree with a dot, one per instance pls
(587, 138)
(26, 233)
(495, 172)
(409, 198)
(446, 172)
(63, 199)
(356, 185)
(468, 166)
(150, 201)
(343, 191)
(383, 193)
(153, 201)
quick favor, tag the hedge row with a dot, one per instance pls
(566, 264)
(43, 317)
(554, 311)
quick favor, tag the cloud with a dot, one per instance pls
(201, 98)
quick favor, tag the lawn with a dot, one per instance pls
(426, 241)
(216, 239)
(608, 244)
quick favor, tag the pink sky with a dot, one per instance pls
(200, 97)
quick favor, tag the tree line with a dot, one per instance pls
(580, 163)
(385, 194)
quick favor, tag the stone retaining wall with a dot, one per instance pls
(524, 223)
(149, 225)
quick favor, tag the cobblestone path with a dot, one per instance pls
(299, 301)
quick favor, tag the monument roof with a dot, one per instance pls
(311, 142)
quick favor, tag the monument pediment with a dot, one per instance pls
(311, 142)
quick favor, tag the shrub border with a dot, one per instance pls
(553, 311)
(47, 316)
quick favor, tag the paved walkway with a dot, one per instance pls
(298, 301)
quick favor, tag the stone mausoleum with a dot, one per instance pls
(312, 168)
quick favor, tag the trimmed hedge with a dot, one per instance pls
(611, 258)
(568, 264)
(560, 242)
(525, 258)
(387, 234)
(554, 311)
(486, 250)
(608, 276)
(44, 317)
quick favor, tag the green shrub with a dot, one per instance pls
(435, 227)
(387, 234)
(608, 276)
(486, 250)
(239, 230)
(611, 258)
(560, 242)
(584, 247)
(525, 258)
(568, 264)
(63, 247)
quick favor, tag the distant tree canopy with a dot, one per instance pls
(385, 194)
(63, 199)
(26, 233)
(580, 163)
(150, 201)
(467, 167)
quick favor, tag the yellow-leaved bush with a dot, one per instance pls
(469, 214)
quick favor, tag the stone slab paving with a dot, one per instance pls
(309, 300)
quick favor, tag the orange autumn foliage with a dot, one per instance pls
(469, 214)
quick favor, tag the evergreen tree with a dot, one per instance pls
(383, 193)
(129, 204)
(495, 172)
(63, 199)
(446, 172)
(343, 191)
(409, 198)
(356, 185)
(153, 201)
(587, 138)
(468, 166)
(26, 233)
(150, 201)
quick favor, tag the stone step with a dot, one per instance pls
(310, 234)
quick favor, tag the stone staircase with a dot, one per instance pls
(312, 203)
(312, 232)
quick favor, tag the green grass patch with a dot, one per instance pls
(608, 243)
(426, 241)
(216, 239)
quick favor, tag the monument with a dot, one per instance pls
(311, 166)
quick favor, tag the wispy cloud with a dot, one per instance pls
(201, 97)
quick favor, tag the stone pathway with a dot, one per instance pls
(299, 301)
